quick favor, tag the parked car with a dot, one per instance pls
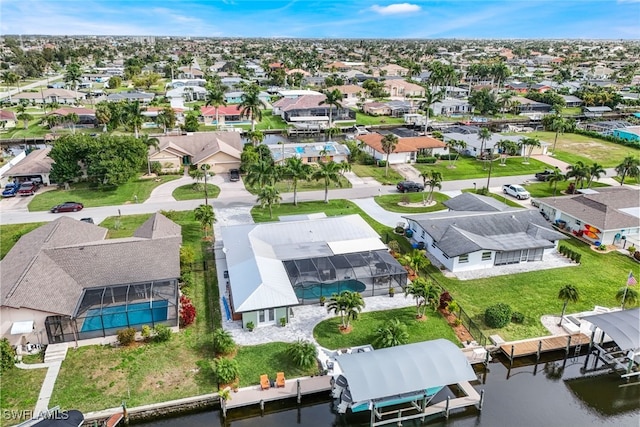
(28, 188)
(406, 186)
(10, 190)
(234, 175)
(67, 207)
(89, 220)
(516, 191)
(544, 176)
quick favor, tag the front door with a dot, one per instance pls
(267, 317)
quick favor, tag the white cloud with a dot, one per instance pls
(395, 9)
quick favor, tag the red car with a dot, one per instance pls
(28, 188)
(67, 207)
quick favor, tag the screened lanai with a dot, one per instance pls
(368, 272)
(105, 310)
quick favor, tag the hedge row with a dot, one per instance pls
(570, 253)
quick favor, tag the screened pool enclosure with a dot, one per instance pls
(368, 272)
(105, 310)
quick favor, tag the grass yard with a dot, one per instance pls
(377, 173)
(572, 147)
(391, 202)
(499, 197)
(545, 189)
(267, 359)
(367, 120)
(328, 335)
(535, 293)
(191, 192)
(93, 197)
(268, 122)
(285, 186)
(470, 167)
(10, 233)
(630, 180)
(20, 390)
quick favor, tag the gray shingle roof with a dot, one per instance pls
(37, 161)
(476, 202)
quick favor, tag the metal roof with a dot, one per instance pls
(622, 326)
(403, 369)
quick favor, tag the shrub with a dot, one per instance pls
(453, 307)
(283, 321)
(498, 315)
(578, 258)
(146, 332)
(126, 336)
(394, 246)
(187, 257)
(7, 355)
(399, 230)
(223, 342)
(457, 322)
(187, 311)
(250, 326)
(156, 168)
(303, 353)
(225, 370)
(392, 334)
(424, 159)
(163, 333)
(186, 277)
(448, 156)
(602, 247)
(632, 250)
(445, 299)
(171, 214)
(517, 317)
(382, 163)
(637, 255)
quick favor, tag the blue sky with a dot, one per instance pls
(587, 19)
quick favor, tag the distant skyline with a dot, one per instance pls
(470, 19)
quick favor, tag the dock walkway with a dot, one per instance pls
(542, 345)
(254, 395)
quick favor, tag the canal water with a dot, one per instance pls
(526, 396)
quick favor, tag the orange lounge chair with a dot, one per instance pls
(280, 379)
(264, 382)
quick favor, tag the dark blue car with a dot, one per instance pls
(10, 190)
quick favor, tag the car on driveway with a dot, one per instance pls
(406, 186)
(234, 175)
(28, 188)
(10, 190)
(544, 176)
(67, 207)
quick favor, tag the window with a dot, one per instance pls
(486, 256)
(433, 245)
(578, 222)
(463, 258)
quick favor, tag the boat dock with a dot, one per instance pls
(535, 346)
(292, 389)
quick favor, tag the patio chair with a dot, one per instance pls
(280, 379)
(264, 382)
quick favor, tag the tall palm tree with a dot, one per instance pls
(353, 305)
(23, 115)
(556, 177)
(150, 142)
(166, 118)
(458, 145)
(424, 294)
(484, 136)
(567, 294)
(215, 97)
(558, 124)
(430, 98)
(327, 172)
(205, 216)
(261, 174)
(433, 180)
(295, 169)
(103, 115)
(332, 99)
(529, 144)
(73, 75)
(255, 136)
(579, 171)
(389, 143)
(627, 295)
(133, 116)
(630, 166)
(595, 172)
(269, 196)
(72, 119)
(337, 305)
(250, 105)
(10, 78)
(506, 147)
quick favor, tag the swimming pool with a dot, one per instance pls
(116, 316)
(314, 290)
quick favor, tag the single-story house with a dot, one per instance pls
(308, 108)
(273, 266)
(525, 87)
(235, 97)
(451, 106)
(48, 96)
(483, 233)
(296, 93)
(376, 109)
(348, 91)
(407, 149)
(474, 144)
(37, 164)
(226, 114)
(86, 116)
(130, 96)
(595, 111)
(528, 106)
(7, 119)
(398, 87)
(65, 282)
(221, 150)
(187, 93)
(572, 101)
(392, 70)
(605, 214)
(310, 152)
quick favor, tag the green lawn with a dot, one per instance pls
(631, 180)
(470, 167)
(20, 390)
(93, 197)
(545, 189)
(328, 335)
(391, 202)
(367, 120)
(377, 173)
(572, 147)
(10, 233)
(267, 359)
(534, 293)
(499, 197)
(191, 192)
(285, 186)
(268, 122)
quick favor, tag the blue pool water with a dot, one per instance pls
(116, 316)
(311, 290)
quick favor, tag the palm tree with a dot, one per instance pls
(250, 105)
(328, 172)
(166, 118)
(430, 98)
(261, 173)
(332, 99)
(23, 115)
(389, 143)
(595, 172)
(528, 144)
(303, 353)
(73, 75)
(215, 97)
(568, 293)
(72, 119)
(133, 115)
(295, 169)
(103, 115)
(506, 146)
(484, 136)
(10, 78)
(337, 304)
(555, 178)
(433, 180)
(255, 136)
(205, 216)
(392, 334)
(627, 295)
(579, 171)
(423, 293)
(630, 166)
(198, 175)
(457, 145)
(558, 124)
(269, 196)
(416, 260)
(150, 142)
(353, 305)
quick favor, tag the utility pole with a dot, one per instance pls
(205, 168)
(490, 166)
